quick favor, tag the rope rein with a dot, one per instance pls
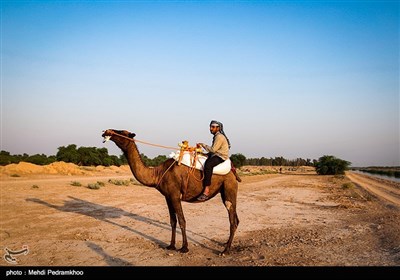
(165, 172)
(193, 158)
(144, 142)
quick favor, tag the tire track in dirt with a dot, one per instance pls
(384, 191)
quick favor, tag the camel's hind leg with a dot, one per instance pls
(228, 196)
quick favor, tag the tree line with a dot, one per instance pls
(82, 156)
(240, 160)
(325, 165)
(92, 156)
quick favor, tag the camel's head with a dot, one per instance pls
(107, 134)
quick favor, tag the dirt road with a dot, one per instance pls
(285, 220)
(382, 188)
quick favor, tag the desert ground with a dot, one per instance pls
(293, 218)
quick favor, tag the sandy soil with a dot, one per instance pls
(292, 219)
(388, 190)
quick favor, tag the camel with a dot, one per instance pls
(178, 183)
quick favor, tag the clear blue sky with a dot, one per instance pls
(286, 78)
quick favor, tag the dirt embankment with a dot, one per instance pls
(58, 168)
(386, 189)
(288, 219)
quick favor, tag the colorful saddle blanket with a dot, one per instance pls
(188, 158)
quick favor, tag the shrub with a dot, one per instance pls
(238, 160)
(94, 186)
(119, 182)
(348, 185)
(330, 165)
(76, 184)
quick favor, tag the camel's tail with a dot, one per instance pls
(233, 168)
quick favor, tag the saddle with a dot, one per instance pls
(194, 158)
(190, 159)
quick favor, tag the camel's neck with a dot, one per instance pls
(145, 175)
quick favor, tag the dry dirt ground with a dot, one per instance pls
(289, 219)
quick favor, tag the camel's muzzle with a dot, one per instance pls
(106, 138)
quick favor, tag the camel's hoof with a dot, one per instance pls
(224, 253)
(171, 247)
(184, 250)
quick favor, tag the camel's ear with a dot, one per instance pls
(131, 135)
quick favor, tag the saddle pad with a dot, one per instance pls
(188, 157)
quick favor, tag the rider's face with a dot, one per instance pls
(214, 129)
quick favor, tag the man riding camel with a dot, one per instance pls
(218, 152)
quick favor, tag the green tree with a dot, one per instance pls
(158, 160)
(108, 161)
(40, 159)
(116, 161)
(123, 159)
(89, 156)
(238, 160)
(68, 154)
(330, 165)
(6, 158)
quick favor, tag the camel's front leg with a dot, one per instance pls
(172, 219)
(182, 223)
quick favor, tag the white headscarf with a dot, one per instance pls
(221, 130)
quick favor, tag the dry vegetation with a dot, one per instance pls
(288, 217)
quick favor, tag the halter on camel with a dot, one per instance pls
(194, 152)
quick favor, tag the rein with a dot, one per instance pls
(191, 168)
(144, 142)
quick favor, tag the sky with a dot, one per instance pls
(298, 79)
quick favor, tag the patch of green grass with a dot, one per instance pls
(76, 184)
(15, 175)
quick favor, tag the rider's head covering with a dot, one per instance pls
(221, 129)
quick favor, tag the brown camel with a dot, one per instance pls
(177, 183)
